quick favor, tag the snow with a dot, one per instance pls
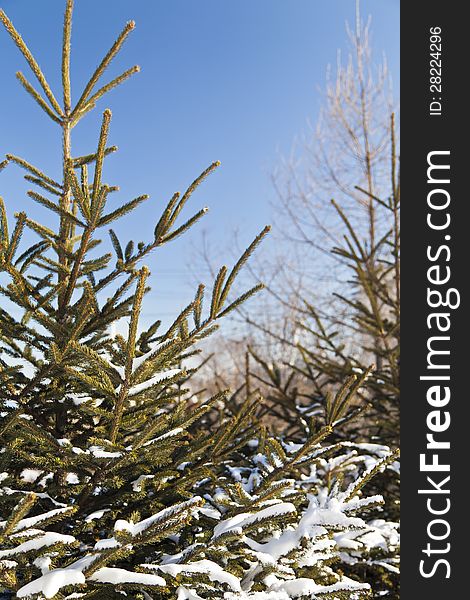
(145, 385)
(138, 528)
(47, 539)
(96, 515)
(302, 587)
(378, 534)
(331, 514)
(106, 544)
(307, 587)
(43, 482)
(50, 583)
(30, 475)
(11, 404)
(387, 566)
(237, 472)
(311, 525)
(137, 483)
(78, 399)
(29, 533)
(100, 452)
(238, 522)
(72, 478)
(116, 576)
(207, 567)
(8, 491)
(210, 512)
(43, 563)
(8, 564)
(31, 521)
(168, 434)
(185, 594)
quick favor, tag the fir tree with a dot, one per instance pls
(110, 485)
(330, 348)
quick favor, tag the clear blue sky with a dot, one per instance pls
(233, 81)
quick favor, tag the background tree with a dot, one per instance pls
(333, 285)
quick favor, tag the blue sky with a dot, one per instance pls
(233, 81)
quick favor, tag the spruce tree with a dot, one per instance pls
(111, 485)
